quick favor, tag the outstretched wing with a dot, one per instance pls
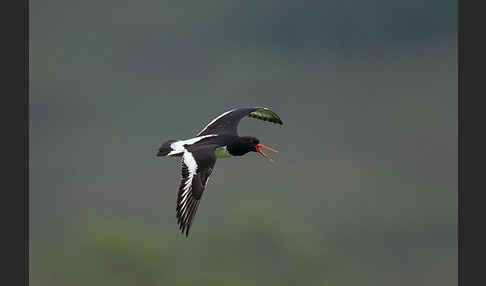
(196, 169)
(227, 123)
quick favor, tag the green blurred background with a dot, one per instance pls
(363, 191)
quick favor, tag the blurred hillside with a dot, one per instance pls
(363, 189)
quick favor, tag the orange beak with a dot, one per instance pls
(259, 150)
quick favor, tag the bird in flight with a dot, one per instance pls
(219, 139)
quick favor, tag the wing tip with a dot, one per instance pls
(185, 216)
(276, 119)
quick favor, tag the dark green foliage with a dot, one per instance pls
(260, 243)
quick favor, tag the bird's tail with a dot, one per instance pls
(166, 150)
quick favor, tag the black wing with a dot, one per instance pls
(227, 123)
(196, 169)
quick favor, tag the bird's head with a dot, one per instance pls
(249, 144)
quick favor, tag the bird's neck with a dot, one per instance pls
(237, 148)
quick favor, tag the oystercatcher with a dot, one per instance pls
(219, 139)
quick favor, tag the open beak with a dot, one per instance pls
(259, 150)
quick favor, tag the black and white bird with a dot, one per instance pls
(219, 139)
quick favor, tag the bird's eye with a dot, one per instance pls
(252, 141)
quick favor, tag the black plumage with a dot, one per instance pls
(199, 156)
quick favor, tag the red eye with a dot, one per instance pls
(252, 141)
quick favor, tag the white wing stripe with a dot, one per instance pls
(178, 146)
(184, 212)
(214, 120)
(191, 164)
(186, 190)
(183, 201)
